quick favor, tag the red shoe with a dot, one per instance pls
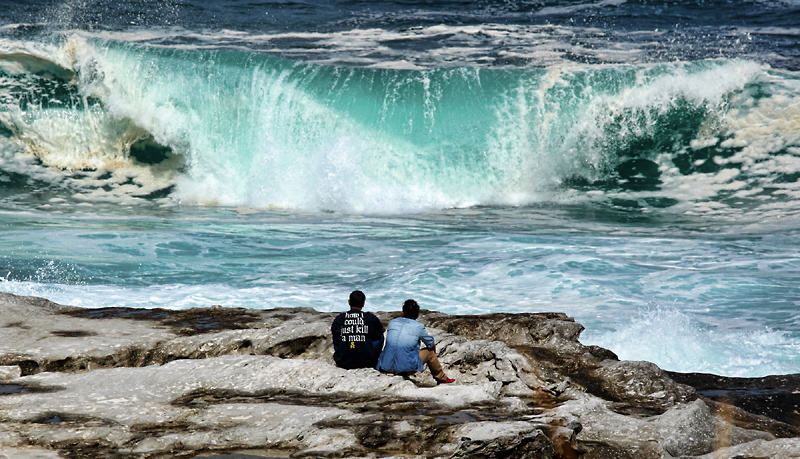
(446, 381)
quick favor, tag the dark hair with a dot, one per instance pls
(357, 299)
(410, 309)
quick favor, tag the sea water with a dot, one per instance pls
(633, 164)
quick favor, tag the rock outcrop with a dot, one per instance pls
(128, 383)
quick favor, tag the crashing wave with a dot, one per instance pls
(234, 128)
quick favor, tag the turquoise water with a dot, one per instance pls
(651, 195)
(237, 129)
(690, 299)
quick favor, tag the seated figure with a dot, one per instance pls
(357, 335)
(402, 354)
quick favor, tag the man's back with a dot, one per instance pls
(402, 354)
(357, 339)
(402, 345)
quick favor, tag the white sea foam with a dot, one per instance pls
(458, 262)
(485, 45)
(19, 57)
(789, 31)
(676, 342)
(764, 135)
(259, 134)
(553, 10)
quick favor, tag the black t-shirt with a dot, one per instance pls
(357, 339)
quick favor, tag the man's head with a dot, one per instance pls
(410, 309)
(357, 299)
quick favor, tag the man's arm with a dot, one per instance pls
(336, 331)
(427, 339)
(376, 327)
(375, 333)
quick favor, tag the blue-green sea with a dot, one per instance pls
(634, 164)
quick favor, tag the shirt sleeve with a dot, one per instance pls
(375, 333)
(425, 337)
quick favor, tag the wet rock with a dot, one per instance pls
(776, 397)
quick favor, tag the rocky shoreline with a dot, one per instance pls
(236, 383)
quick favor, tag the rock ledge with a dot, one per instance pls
(217, 382)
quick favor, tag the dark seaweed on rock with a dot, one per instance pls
(187, 322)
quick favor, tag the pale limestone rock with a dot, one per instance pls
(451, 395)
(488, 430)
(254, 341)
(9, 438)
(782, 448)
(641, 383)
(687, 430)
(28, 453)
(148, 388)
(600, 423)
(256, 425)
(483, 361)
(9, 372)
(35, 329)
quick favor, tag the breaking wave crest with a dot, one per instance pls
(108, 120)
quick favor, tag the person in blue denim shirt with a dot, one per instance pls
(402, 355)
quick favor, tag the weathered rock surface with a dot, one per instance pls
(123, 383)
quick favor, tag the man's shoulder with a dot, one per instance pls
(368, 316)
(354, 313)
(406, 322)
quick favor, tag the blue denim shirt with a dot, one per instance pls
(401, 352)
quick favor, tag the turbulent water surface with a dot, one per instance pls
(635, 164)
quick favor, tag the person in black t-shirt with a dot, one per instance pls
(357, 335)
